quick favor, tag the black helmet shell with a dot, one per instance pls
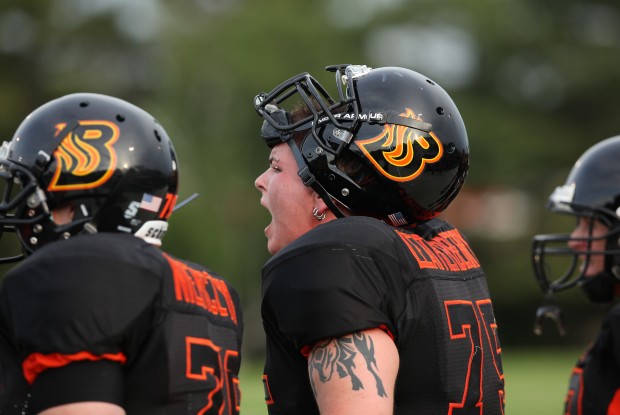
(110, 159)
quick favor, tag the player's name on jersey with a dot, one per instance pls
(446, 251)
(199, 288)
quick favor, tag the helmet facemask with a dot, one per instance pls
(591, 193)
(23, 203)
(557, 267)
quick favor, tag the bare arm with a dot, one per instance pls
(354, 374)
(90, 408)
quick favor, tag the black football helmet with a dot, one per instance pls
(401, 132)
(592, 190)
(108, 159)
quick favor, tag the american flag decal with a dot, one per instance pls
(150, 203)
(397, 219)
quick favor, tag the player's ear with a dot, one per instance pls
(319, 203)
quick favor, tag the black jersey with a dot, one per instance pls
(594, 386)
(110, 318)
(13, 386)
(427, 291)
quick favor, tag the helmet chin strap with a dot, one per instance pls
(309, 180)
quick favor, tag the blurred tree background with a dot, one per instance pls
(536, 82)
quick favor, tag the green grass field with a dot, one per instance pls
(536, 382)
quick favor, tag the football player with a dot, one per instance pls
(370, 303)
(592, 195)
(97, 317)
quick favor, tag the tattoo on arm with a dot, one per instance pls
(336, 355)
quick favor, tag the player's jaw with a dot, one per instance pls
(286, 198)
(593, 265)
(288, 222)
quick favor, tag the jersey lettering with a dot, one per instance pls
(231, 359)
(210, 363)
(268, 398)
(485, 310)
(199, 288)
(447, 251)
(572, 405)
(473, 323)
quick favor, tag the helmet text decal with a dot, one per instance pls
(402, 147)
(85, 158)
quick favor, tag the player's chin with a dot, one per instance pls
(271, 240)
(273, 247)
(592, 272)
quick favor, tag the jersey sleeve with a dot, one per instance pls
(84, 381)
(80, 306)
(329, 290)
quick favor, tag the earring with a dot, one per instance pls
(317, 215)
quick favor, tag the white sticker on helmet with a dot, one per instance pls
(5, 149)
(153, 231)
(563, 195)
(355, 71)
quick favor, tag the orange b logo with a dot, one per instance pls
(402, 147)
(85, 158)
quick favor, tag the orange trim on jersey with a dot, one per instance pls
(268, 398)
(387, 331)
(37, 363)
(305, 351)
(571, 393)
(614, 405)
